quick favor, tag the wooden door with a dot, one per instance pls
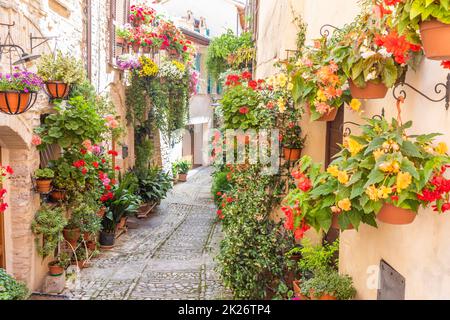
(335, 136)
(2, 232)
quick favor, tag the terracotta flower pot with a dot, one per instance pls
(57, 89)
(436, 39)
(391, 214)
(101, 212)
(120, 41)
(335, 223)
(370, 91)
(182, 177)
(54, 269)
(298, 291)
(328, 117)
(58, 195)
(292, 154)
(144, 209)
(327, 297)
(72, 236)
(91, 245)
(122, 223)
(43, 185)
(15, 102)
(86, 236)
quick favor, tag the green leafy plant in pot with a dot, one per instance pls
(47, 225)
(183, 168)
(44, 178)
(293, 142)
(57, 267)
(59, 73)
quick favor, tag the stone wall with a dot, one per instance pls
(66, 20)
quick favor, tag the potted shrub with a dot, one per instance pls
(328, 284)
(366, 58)
(383, 172)
(152, 188)
(123, 34)
(141, 15)
(318, 82)
(18, 91)
(47, 225)
(57, 267)
(432, 19)
(59, 73)
(44, 179)
(293, 142)
(183, 168)
(72, 231)
(86, 213)
(80, 257)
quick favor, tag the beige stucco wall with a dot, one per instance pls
(418, 251)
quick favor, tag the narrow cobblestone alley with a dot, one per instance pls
(166, 256)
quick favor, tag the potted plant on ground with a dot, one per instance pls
(57, 267)
(48, 224)
(383, 172)
(86, 213)
(18, 91)
(365, 54)
(80, 257)
(431, 18)
(293, 142)
(72, 231)
(319, 82)
(44, 179)
(183, 168)
(152, 188)
(328, 285)
(59, 73)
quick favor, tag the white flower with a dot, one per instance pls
(371, 76)
(367, 54)
(384, 53)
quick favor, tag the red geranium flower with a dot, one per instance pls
(95, 164)
(113, 153)
(9, 170)
(84, 171)
(117, 168)
(253, 84)
(446, 64)
(244, 110)
(3, 207)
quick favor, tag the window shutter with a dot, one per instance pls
(120, 10)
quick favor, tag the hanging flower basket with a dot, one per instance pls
(44, 186)
(436, 39)
(16, 102)
(292, 154)
(330, 116)
(372, 90)
(57, 89)
(391, 214)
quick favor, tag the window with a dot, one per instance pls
(119, 12)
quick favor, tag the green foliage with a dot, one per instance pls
(72, 124)
(329, 282)
(222, 47)
(153, 184)
(61, 67)
(10, 289)
(255, 115)
(292, 137)
(317, 258)
(144, 152)
(183, 166)
(137, 101)
(252, 257)
(84, 214)
(102, 104)
(410, 13)
(220, 184)
(46, 173)
(48, 223)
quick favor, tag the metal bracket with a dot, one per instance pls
(347, 131)
(438, 89)
(43, 40)
(327, 29)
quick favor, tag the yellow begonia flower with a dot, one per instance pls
(343, 177)
(372, 193)
(321, 96)
(354, 147)
(333, 170)
(345, 204)
(390, 167)
(179, 65)
(441, 148)
(282, 80)
(377, 154)
(384, 192)
(290, 86)
(404, 180)
(281, 105)
(355, 104)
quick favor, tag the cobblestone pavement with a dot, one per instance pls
(166, 256)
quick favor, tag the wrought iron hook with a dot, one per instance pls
(325, 30)
(438, 89)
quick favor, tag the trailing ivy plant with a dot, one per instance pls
(48, 222)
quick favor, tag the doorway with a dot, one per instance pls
(335, 136)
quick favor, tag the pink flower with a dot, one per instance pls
(36, 140)
(323, 108)
(87, 144)
(307, 62)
